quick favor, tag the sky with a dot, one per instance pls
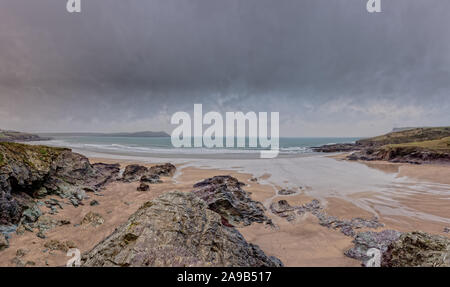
(328, 67)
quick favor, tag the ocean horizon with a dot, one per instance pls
(163, 146)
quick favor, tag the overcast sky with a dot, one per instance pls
(329, 67)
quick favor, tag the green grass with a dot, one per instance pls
(409, 136)
(441, 145)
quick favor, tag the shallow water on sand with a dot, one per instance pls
(378, 190)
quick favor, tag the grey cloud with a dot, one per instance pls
(140, 60)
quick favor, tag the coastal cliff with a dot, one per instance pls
(14, 136)
(417, 145)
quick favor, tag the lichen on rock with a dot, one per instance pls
(176, 229)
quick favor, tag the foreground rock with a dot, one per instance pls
(225, 196)
(28, 172)
(418, 249)
(176, 229)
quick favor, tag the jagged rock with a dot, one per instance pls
(370, 239)
(224, 195)
(286, 192)
(143, 187)
(447, 229)
(418, 249)
(337, 148)
(3, 242)
(75, 202)
(94, 203)
(166, 169)
(36, 171)
(32, 214)
(347, 227)
(176, 229)
(283, 209)
(57, 245)
(93, 219)
(152, 179)
(134, 172)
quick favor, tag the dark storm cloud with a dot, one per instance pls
(327, 66)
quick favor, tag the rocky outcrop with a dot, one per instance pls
(286, 192)
(176, 229)
(14, 136)
(416, 146)
(370, 239)
(345, 147)
(401, 154)
(134, 172)
(166, 169)
(93, 219)
(143, 187)
(418, 249)
(152, 175)
(283, 209)
(225, 196)
(28, 172)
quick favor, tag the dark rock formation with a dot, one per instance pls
(346, 147)
(401, 154)
(224, 195)
(416, 146)
(28, 172)
(370, 239)
(94, 203)
(347, 227)
(447, 229)
(286, 191)
(418, 249)
(166, 169)
(152, 179)
(283, 209)
(93, 219)
(134, 172)
(176, 229)
(3, 242)
(143, 187)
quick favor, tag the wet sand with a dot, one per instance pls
(302, 242)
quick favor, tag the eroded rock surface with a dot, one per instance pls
(176, 229)
(347, 227)
(370, 239)
(418, 249)
(28, 172)
(224, 195)
(283, 209)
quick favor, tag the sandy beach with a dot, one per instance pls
(302, 242)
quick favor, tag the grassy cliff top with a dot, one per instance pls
(33, 155)
(441, 145)
(409, 136)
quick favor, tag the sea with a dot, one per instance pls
(160, 146)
